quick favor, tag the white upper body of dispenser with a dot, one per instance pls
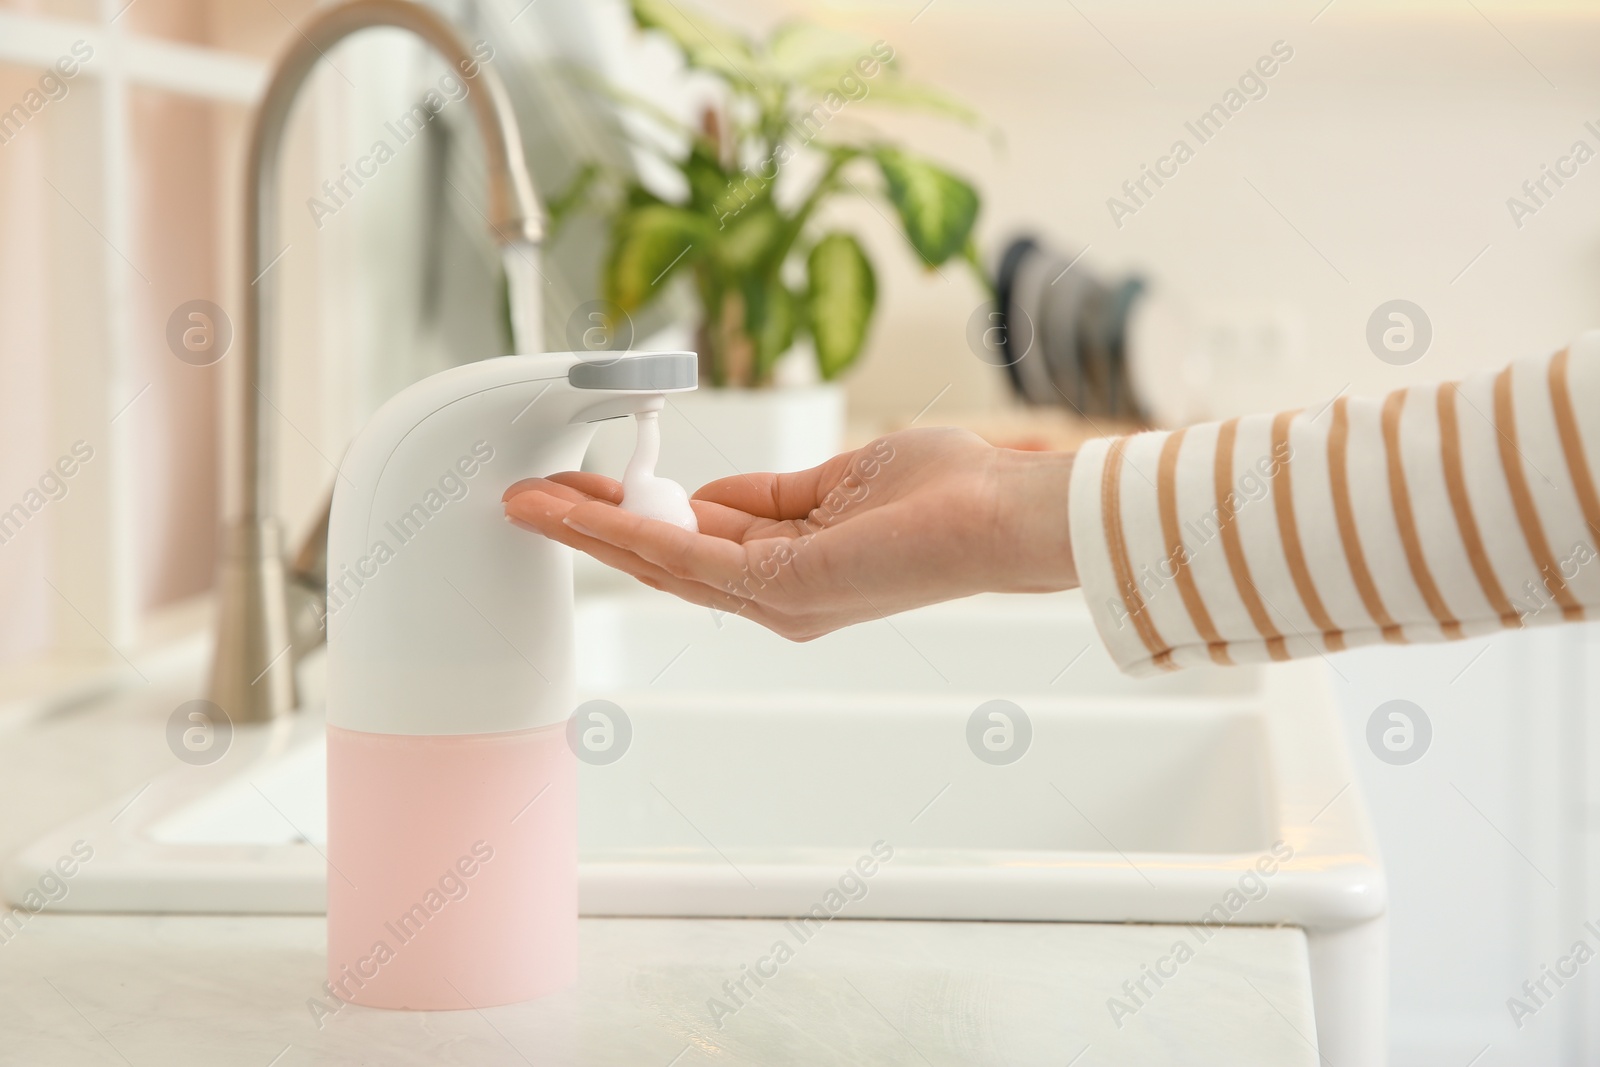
(444, 618)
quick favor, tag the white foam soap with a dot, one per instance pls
(645, 494)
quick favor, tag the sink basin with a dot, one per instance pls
(746, 744)
(759, 770)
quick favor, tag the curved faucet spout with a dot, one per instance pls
(252, 677)
(514, 210)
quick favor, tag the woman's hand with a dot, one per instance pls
(913, 518)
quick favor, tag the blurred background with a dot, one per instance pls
(1380, 163)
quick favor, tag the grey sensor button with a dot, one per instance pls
(646, 372)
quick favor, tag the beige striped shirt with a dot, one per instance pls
(1437, 512)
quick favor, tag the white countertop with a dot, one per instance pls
(176, 990)
(179, 990)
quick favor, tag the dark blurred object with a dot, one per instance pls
(1063, 333)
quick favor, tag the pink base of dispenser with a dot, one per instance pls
(450, 885)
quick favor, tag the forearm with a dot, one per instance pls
(1437, 512)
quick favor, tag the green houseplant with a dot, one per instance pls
(756, 170)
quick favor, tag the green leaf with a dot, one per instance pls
(571, 199)
(649, 244)
(840, 298)
(745, 191)
(750, 241)
(708, 182)
(706, 43)
(936, 208)
(801, 51)
(895, 92)
(637, 196)
(769, 318)
(822, 60)
(728, 195)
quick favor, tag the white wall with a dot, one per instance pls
(1390, 141)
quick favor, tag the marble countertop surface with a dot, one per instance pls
(179, 990)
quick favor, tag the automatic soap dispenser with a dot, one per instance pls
(452, 792)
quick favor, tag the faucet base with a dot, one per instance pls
(252, 676)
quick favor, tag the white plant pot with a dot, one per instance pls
(716, 433)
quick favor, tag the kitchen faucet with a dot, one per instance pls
(252, 673)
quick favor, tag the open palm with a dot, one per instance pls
(913, 518)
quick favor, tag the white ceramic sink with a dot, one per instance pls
(759, 770)
(755, 745)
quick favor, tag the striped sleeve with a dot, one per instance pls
(1434, 513)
